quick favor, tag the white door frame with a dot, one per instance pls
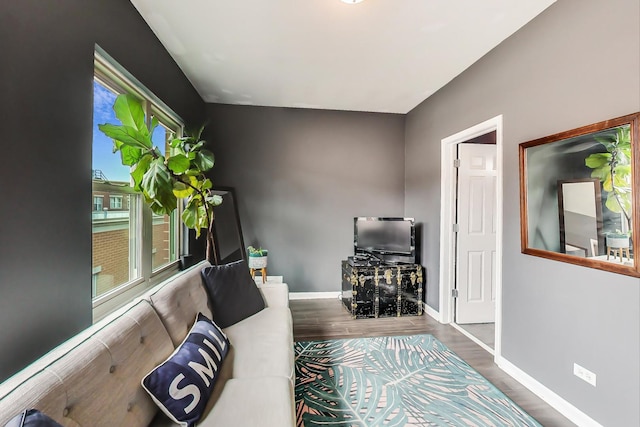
(447, 212)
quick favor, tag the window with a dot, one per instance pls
(97, 203)
(163, 240)
(132, 247)
(115, 202)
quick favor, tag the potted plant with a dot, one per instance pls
(257, 257)
(613, 169)
(618, 239)
(163, 180)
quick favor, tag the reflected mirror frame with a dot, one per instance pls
(634, 121)
(595, 184)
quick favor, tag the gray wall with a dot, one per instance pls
(577, 63)
(301, 175)
(300, 178)
(46, 76)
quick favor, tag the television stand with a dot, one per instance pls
(383, 290)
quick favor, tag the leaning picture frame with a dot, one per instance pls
(227, 231)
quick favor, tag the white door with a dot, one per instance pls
(476, 237)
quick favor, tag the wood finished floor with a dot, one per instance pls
(485, 332)
(327, 319)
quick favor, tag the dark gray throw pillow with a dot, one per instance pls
(233, 294)
(31, 418)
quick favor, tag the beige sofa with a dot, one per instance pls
(94, 378)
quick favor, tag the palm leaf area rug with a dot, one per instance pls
(395, 381)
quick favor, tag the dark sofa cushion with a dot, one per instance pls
(233, 294)
(181, 386)
(31, 418)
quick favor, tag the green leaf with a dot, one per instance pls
(194, 215)
(622, 179)
(626, 204)
(117, 145)
(154, 124)
(612, 203)
(202, 216)
(129, 156)
(168, 203)
(181, 189)
(157, 185)
(155, 178)
(214, 200)
(624, 135)
(129, 111)
(178, 163)
(606, 184)
(190, 216)
(204, 160)
(139, 170)
(197, 146)
(193, 172)
(127, 135)
(597, 160)
(601, 173)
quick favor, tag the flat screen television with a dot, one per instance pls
(387, 238)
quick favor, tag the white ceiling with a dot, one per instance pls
(378, 55)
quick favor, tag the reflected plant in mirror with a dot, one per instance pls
(578, 198)
(613, 169)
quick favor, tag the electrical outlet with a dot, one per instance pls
(584, 374)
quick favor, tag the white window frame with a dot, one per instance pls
(110, 74)
(115, 202)
(95, 199)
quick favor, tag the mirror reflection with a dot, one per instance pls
(579, 194)
(579, 205)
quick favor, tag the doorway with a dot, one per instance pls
(471, 233)
(475, 238)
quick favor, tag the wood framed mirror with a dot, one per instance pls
(579, 190)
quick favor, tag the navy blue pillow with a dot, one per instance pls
(31, 418)
(182, 385)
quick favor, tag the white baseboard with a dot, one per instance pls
(565, 408)
(432, 312)
(314, 295)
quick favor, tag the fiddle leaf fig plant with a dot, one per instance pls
(613, 169)
(163, 180)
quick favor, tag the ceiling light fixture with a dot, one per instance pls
(351, 1)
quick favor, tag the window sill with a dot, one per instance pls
(111, 301)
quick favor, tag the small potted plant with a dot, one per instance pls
(618, 239)
(257, 257)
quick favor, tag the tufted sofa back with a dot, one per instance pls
(94, 379)
(179, 300)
